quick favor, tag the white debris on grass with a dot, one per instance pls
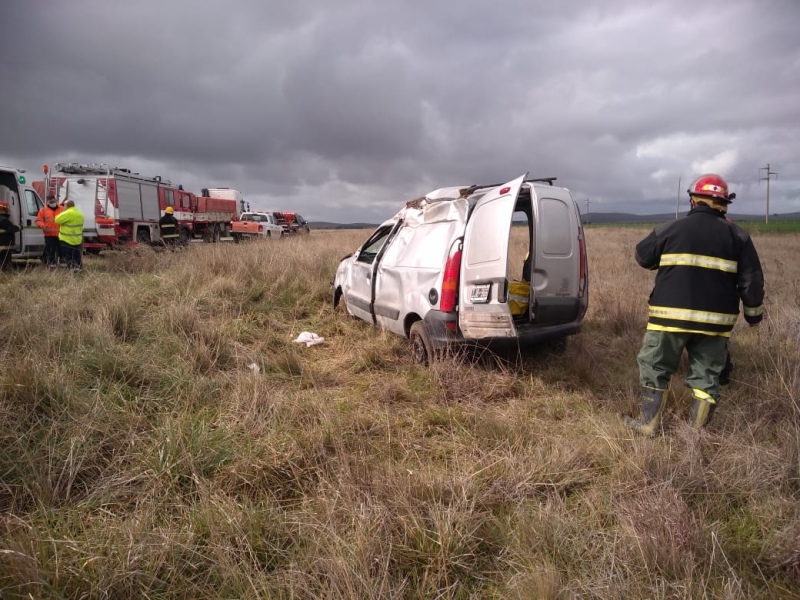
(309, 339)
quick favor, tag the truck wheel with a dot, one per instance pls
(216, 234)
(269, 234)
(184, 237)
(143, 236)
(236, 238)
(422, 352)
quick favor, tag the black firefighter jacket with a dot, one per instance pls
(706, 265)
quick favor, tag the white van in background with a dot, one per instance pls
(439, 271)
(24, 204)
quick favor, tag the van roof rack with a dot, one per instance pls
(547, 180)
(469, 190)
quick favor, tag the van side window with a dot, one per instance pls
(373, 245)
(33, 202)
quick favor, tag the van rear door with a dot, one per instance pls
(555, 277)
(483, 290)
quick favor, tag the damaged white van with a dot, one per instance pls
(477, 264)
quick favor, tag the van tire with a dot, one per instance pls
(339, 302)
(422, 352)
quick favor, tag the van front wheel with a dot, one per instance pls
(421, 348)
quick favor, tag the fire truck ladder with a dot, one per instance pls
(106, 171)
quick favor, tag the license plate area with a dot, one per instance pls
(480, 293)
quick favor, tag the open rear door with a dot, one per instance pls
(483, 293)
(556, 273)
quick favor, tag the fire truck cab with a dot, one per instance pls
(24, 204)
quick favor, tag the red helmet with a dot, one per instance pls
(711, 186)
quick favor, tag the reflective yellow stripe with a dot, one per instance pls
(754, 311)
(701, 395)
(699, 316)
(698, 260)
(654, 327)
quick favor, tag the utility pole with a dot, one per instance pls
(587, 211)
(678, 200)
(767, 175)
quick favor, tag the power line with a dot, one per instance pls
(766, 177)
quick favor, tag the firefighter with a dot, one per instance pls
(706, 265)
(70, 236)
(7, 241)
(46, 221)
(169, 227)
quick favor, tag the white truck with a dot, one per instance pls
(255, 225)
(24, 204)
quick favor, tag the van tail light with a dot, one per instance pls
(452, 269)
(260, 228)
(582, 251)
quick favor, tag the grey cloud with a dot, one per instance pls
(347, 109)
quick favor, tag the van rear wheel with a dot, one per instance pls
(422, 352)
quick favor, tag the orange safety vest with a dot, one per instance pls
(45, 220)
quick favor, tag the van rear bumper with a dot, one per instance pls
(443, 330)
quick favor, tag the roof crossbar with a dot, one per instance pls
(469, 190)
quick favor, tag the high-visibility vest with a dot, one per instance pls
(71, 230)
(46, 220)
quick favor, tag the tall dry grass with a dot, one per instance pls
(142, 456)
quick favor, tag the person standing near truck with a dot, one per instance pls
(46, 221)
(7, 241)
(168, 225)
(70, 235)
(706, 265)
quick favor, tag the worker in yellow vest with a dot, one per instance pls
(70, 236)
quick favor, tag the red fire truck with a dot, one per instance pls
(122, 208)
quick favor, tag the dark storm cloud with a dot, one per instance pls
(346, 109)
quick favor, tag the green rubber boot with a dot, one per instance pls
(653, 403)
(703, 407)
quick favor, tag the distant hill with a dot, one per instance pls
(328, 225)
(601, 218)
(595, 217)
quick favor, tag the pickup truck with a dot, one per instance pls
(292, 223)
(253, 225)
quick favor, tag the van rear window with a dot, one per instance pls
(555, 236)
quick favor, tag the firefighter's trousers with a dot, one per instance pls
(661, 354)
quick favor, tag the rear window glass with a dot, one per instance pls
(555, 233)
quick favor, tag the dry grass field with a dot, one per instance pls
(142, 457)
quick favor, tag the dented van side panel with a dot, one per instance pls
(410, 268)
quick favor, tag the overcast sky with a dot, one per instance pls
(344, 109)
